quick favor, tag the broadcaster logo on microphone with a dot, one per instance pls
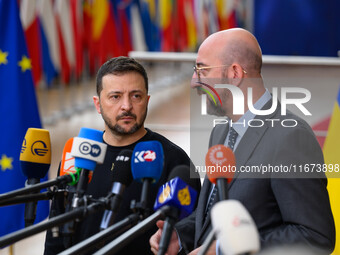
(86, 149)
(36, 148)
(142, 156)
(184, 197)
(218, 155)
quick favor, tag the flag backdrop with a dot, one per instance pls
(18, 111)
(66, 39)
(30, 24)
(332, 156)
(49, 40)
(76, 9)
(122, 19)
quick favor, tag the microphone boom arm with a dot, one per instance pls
(132, 233)
(111, 232)
(36, 187)
(77, 213)
(30, 198)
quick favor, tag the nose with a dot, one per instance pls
(194, 81)
(126, 104)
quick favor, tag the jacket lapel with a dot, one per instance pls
(200, 211)
(251, 138)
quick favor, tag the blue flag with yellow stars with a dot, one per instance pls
(18, 112)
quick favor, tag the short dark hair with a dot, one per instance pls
(117, 66)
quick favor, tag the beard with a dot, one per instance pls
(213, 109)
(118, 129)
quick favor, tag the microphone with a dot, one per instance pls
(222, 164)
(180, 196)
(35, 155)
(178, 192)
(87, 149)
(122, 177)
(67, 163)
(175, 199)
(237, 231)
(68, 172)
(35, 160)
(146, 167)
(67, 166)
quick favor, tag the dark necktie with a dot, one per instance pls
(232, 138)
(231, 143)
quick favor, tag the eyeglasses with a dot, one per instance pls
(199, 69)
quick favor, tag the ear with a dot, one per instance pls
(237, 74)
(96, 102)
(148, 98)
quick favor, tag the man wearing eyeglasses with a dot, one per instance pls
(285, 209)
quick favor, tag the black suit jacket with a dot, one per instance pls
(293, 210)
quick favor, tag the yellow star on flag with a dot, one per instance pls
(6, 163)
(25, 64)
(3, 57)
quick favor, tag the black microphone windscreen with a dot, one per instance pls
(183, 172)
(122, 169)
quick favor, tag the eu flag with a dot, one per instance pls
(18, 112)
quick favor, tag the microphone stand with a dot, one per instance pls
(30, 198)
(134, 232)
(30, 207)
(208, 241)
(166, 235)
(222, 187)
(69, 228)
(109, 233)
(77, 213)
(36, 187)
(141, 206)
(140, 211)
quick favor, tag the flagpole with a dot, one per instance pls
(11, 249)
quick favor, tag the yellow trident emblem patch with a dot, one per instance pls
(184, 196)
(164, 195)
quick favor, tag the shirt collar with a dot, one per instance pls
(241, 125)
